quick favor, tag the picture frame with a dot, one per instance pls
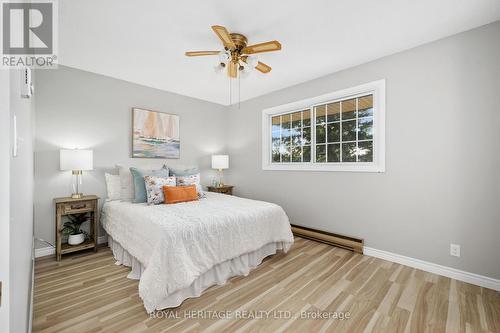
(155, 134)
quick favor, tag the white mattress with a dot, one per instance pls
(179, 246)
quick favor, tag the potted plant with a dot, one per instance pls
(72, 228)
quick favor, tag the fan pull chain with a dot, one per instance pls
(239, 89)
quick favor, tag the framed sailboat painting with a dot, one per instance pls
(155, 134)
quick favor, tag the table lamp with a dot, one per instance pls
(220, 162)
(77, 161)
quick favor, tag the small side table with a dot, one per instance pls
(68, 206)
(225, 189)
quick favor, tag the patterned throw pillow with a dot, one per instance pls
(191, 180)
(154, 188)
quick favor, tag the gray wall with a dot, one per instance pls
(78, 109)
(21, 208)
(4, 196)
(441, 183)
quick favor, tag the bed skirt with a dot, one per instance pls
(217, 275)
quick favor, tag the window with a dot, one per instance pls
(341, 131)
(291, 137)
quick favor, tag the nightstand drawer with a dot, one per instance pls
(77, 207)
(226, 189)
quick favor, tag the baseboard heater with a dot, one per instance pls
(346, 242)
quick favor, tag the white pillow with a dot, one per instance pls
(154, 188)
(112, 186)
(126, 183)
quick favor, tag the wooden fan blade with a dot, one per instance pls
(273, 45)
(201, 53)
(262, 67)
(224, 36)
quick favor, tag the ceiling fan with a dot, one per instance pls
(237, 55)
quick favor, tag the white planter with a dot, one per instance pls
(76, 239)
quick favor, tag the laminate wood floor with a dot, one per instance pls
(89, 293)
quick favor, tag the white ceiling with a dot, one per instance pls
(144, 41)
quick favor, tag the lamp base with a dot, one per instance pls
(76, 195)
(221, 183)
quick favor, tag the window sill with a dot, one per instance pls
(346, 167)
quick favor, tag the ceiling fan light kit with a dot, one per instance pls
(237, 55)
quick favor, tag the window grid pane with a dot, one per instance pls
(364, 128)
(300, 134)
(357, 129)
(333, 112)
(341, 129)
(286, 138)
(333, 132)
(326, 132)
(296, 137)
(290, 136)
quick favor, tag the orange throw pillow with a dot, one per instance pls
(176, 194)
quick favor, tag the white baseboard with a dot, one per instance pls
(453, 273)
(44, 251)
(50, 250)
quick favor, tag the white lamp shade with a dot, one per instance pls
(220, 161)
(75, 159)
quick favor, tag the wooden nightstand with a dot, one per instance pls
(68, 206)
(226, 189)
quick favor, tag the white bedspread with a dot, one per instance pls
(177, 243)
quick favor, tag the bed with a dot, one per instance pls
(178, 251)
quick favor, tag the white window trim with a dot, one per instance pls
(377, 88)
